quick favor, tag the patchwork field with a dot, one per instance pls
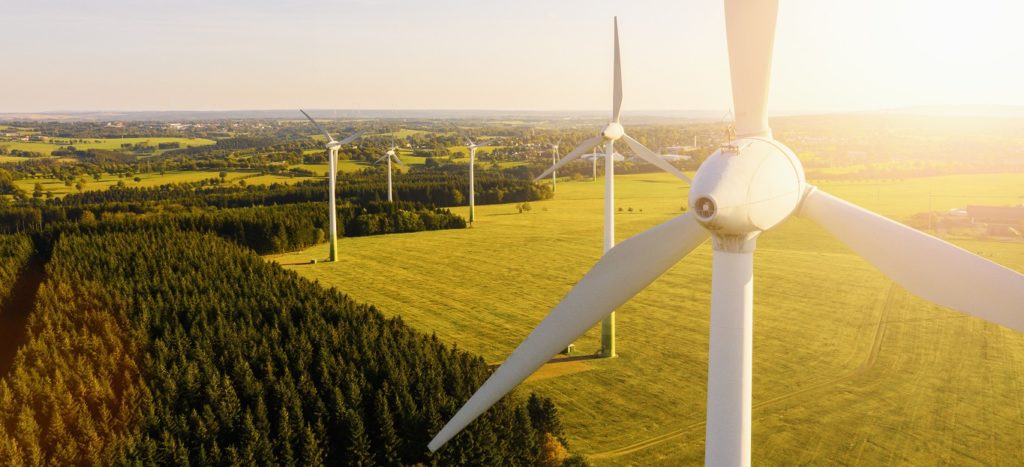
(848, 368)
(59, 188)
(99, 143)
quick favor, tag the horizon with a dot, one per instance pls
(697, 115)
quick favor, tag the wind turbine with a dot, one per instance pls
(391, 154)
(554, 161)
(611, 133)
(667, 157)
(472, 163)
(332, 176)
(748, 186)
(593, 163)
(593, 157)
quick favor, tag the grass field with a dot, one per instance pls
(58, 188)
(109, 143)
(848, 368)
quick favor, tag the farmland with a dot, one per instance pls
(848, 368)
(101, 143)
(151, 179)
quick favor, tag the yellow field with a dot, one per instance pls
(848, 368)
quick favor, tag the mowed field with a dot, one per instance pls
(848, 367)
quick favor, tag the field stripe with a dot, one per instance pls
(864, 367)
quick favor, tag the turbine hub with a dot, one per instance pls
(747, 187)
(613, 131)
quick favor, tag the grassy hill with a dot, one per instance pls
(848, 368)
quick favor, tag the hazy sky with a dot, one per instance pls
(478, 54)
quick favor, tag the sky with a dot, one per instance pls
(830, 55)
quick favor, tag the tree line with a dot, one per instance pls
(264, 229)
(441, 188)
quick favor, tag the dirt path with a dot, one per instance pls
(15, 310)
(863, 367)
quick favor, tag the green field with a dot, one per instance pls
(46, 148)
(59, 188)
(848, 368)
(402, 133)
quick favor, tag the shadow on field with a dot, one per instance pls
(558, 359)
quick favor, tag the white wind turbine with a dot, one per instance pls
(593, 163)
(594, 156)
(472, 165)
(747, 187)
(389, 156)
(554, 162)
(667, 157)
(332, 176)
(611, 133)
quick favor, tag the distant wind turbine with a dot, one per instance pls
(611, 133)
(667, 157)
(554, 161)
(332, 176)
(472, 164)
(750, 185)
(389, 156)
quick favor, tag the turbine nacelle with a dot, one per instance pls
(333, 145)
(613, 131)
(747, 187)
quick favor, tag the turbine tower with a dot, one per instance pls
(472, 164)
(750, 185)
(332, 176)
(593, 164)
(611, 133)
(554, 161)
(389, 156)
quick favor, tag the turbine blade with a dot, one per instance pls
(469, 142)
(352, 138)
(623, 272)
(646, 154)
(617, 71)
(399, 161)
(317, 125)
(381, 158)
(750, 29)
(926, 266)
(577, 152)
